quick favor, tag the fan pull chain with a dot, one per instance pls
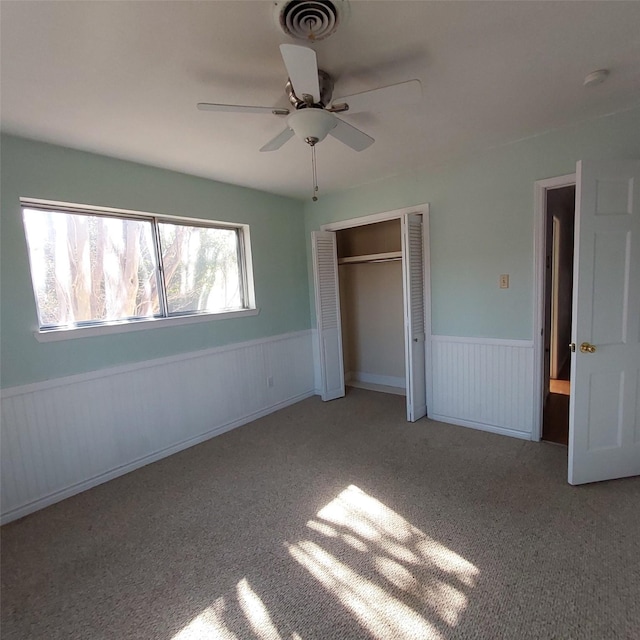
(314, 173)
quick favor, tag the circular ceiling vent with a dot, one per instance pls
(308, 19)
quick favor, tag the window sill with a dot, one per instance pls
(54, 335)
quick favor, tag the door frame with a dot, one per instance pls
(556, 230)
(539, 258)
(397, 214)
(372, 218)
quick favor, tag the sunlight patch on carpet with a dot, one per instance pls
(414, 587)
(256, 613)
(208, 625)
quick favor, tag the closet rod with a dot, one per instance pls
(372, 257)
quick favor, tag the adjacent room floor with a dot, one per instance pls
(333, 521)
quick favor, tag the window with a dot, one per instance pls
(93, 267)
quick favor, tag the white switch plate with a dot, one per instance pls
(504, 281)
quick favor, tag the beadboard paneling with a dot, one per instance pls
(483, 383)
(63, 436)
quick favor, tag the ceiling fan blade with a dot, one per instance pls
(383, 98)
(302, 67)
(241, 108)
(278, 141)
(351, 136)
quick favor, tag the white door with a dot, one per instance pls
(325, 273)
(413, 253)
(604, 423)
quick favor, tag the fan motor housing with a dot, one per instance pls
(309, 20)
(326, 92)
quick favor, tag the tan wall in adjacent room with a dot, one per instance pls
(372, 318)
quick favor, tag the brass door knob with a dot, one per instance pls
(585, 347)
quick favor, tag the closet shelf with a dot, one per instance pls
(372, 257)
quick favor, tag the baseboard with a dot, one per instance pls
(490, 428)
(374, 378)
(381, 388)
(72, 490)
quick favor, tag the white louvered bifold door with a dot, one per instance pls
(414, 314)
(325, 274)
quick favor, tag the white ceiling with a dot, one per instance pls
(123, 79)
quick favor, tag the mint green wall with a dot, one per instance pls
(481, 226)
(37, 170)
(482, 220)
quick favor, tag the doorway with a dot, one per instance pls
(604, 389)
(558, 299)
(371, 306)
(413, 259)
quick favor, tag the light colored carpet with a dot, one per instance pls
(333, 521)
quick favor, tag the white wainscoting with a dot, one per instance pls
(66, 435)
(317, 374)
(483, 383)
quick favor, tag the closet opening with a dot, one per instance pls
(371, 305)
(379, 281)
(558, 296)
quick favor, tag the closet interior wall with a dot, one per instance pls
(371, 304)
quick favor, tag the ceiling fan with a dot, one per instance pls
(313, 113)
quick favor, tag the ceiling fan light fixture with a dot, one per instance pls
(311, 125)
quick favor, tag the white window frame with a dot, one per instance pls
(99, 328)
